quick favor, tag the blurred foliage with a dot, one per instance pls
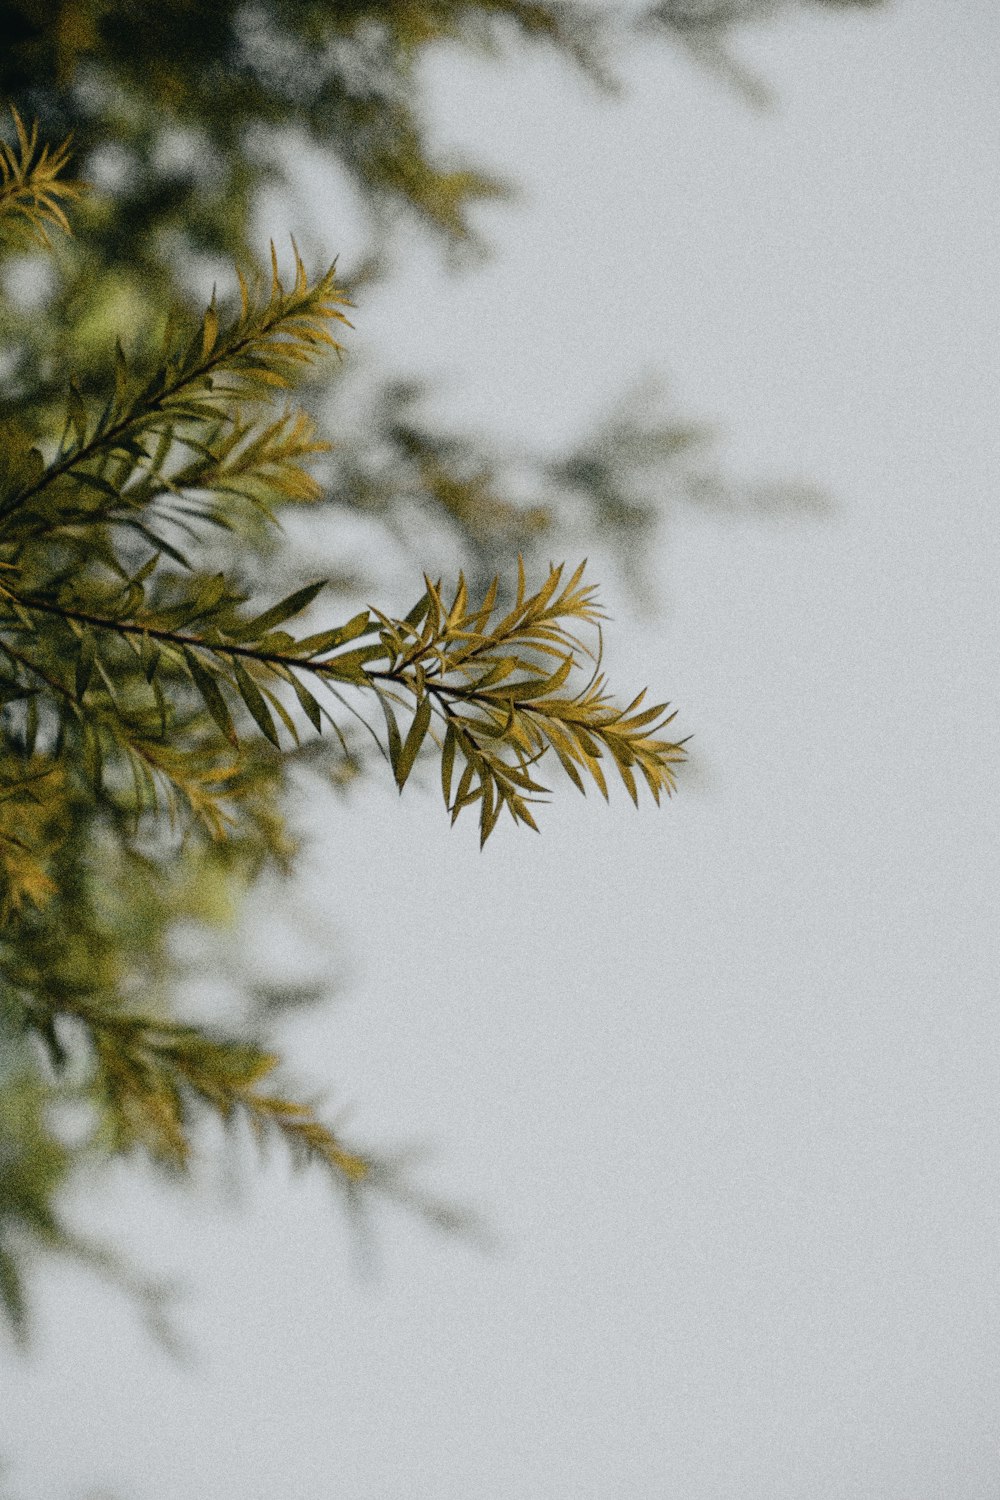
(154, 708)
(707, 29)
(182, 114)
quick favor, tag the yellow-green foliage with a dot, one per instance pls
(147, 707)
(31, 184)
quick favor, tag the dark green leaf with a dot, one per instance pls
(30, 727)
(490, 811)
(149, 656)
(308, 702)
(448, 763)
(328, 640)
(348, 667)
(252, 697)
(95, 482)
(84, 666)
(279, 613)
(12, 1291)
(157, 542)
(419, 610)
(208, 686)
(414, 739)
(77, 414)
(282, 712)
(392, 728)
(57, 1052)
(12, 691)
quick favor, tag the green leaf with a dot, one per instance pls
(414, 739)
(209, 329)
(497, 672)
(77, 413)
(537, 687)
(349, 667)
(521, 812)
(279, 613)
(84, 666)
(12, 1291)
(282, 712)
(210, 594)
(629, 780)
(161, 703)
(328, 640)
(58, 1055)
(252, 697)
(464, 795)
(392, 729)
(594, 767)
(97, 482)
(12, 691)
(517, 776)
(459, 605)
(149, 656)
(31, 727)
(479, 620)
(148, 567)
(490, 811)
(209, 688)
(448, 763)
(313, 710)
(466, 799)
(276, 643)
(157, 542)
(419, 610)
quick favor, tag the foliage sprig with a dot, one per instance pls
(497, 691)
(149, 1072)
(32, 182)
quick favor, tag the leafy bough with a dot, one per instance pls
(497, 715)
(103, 652)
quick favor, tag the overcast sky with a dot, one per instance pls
(726, 1076)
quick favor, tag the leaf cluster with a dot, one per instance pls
(498, 691)
(32, 182)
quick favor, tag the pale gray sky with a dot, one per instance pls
(726, 1077)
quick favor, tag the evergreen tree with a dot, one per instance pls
(154, 707)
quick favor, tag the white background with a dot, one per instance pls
(723, 1077)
